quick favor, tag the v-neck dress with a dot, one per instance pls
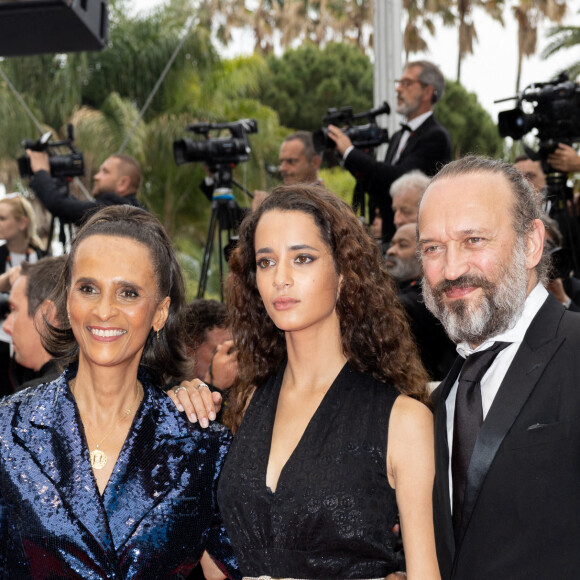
(333, 510)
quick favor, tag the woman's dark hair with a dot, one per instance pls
(375, 335)
(164, 355)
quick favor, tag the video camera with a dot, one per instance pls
(216, 151)
(556, 114)
(362, 136)
(71, 164)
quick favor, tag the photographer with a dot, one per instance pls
(116, 183)
(422, 143)
(299, 163)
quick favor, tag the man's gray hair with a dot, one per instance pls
(430, 75)
(415, 180)
(528, 202)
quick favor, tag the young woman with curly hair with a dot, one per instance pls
(336, 438)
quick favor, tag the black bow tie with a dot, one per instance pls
(406, 127)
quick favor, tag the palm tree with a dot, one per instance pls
(563, 38)
(528, 14)
(467, 31)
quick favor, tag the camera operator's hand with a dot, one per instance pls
(341, 140)
(564, 158)
(38, 161)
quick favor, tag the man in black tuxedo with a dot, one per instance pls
(507, 483)
(422, 143)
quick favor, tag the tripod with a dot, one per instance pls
(225, 216)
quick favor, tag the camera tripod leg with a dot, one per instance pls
(207, 254)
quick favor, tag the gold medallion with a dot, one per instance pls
(98, 459)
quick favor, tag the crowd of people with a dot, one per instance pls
(392, 400)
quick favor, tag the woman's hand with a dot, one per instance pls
(198, 402)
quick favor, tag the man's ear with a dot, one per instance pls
(123, 184)
(317, 161)
(535, 244)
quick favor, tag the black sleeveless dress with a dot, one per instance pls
(333, 510)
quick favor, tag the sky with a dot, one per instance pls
(490, 73)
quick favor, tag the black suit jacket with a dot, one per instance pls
(428, 149)
(522, 502)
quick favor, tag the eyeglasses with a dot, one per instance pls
(406, 83)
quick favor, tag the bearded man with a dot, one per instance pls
(422, 142)
(436, 350)
(507, 417)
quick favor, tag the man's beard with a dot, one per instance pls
(407, 108)
(403, 270)
(497, 310)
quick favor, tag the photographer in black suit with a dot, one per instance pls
(116, 183)
(422, 143)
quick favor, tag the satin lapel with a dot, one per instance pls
(415, 136)
(538, 348)
(441, 499)
(393, 145)
(54, 443)
(150, 465)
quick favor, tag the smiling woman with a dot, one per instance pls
(99, 475)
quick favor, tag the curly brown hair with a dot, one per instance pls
(375, 335)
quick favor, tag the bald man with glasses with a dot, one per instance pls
(422, 142)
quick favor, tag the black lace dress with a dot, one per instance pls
(333, 510)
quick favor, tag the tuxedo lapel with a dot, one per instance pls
(416, 136)
(393, 146)
(151, 465)
(48, 430)
(538, 348)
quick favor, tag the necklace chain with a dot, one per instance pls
(98, 457)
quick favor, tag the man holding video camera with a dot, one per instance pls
(422, 143)
(116, 183)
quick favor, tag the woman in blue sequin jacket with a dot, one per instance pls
(100, 477)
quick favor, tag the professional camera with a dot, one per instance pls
(70, 164)
(556, 114)
(362, 136)
(216, 151)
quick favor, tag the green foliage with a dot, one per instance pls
(339, 181)
(471, 127)
(303, 83)
(138, 50)
(564, 38)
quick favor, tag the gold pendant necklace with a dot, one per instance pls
(97, 456)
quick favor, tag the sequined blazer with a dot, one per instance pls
(156, 516)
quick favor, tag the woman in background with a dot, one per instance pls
(17, 228)
(100, 477)
(333, 438)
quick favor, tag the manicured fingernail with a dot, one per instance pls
(204, 422)
(193, 418)
(211, 416)
(180, 407)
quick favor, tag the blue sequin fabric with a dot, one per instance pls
(156, 516)
(333, 510)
